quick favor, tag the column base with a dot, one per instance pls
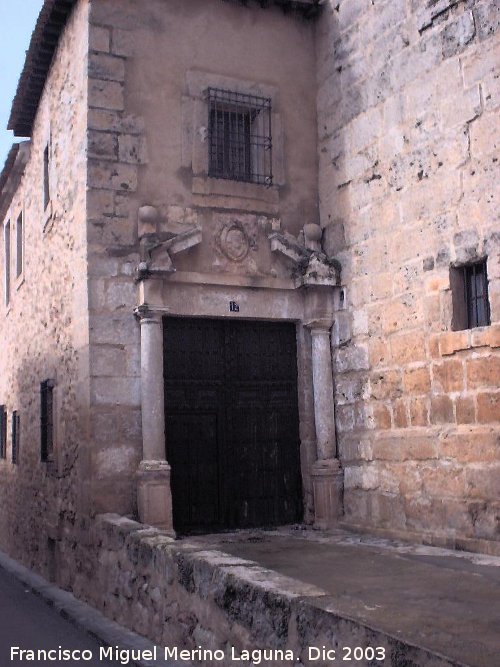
(328, 485)
(154, 496)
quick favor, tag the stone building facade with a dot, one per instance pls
(349, 216)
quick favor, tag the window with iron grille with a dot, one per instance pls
(19, 245)
(469, 287)
(16, 433)
(46, 420)
(6, 281)
(239, 136)
(46, 177)
(3, 432)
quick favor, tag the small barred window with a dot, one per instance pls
(469, 287)
(239, 136)
(16, 436)
(47, 420)
(3, 432)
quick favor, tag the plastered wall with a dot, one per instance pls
(149, 63)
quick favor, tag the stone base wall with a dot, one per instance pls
(184, 596)
(408, 102)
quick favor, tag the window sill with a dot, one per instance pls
(228, 194)
(450, 342)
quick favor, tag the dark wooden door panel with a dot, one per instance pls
(232, 423)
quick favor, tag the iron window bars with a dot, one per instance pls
(3, 432)
(46, 420)
(239, 136)
(469, 290)
(16, 433)
(476, 295)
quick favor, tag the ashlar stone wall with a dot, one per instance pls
(408, 143)
(44, 331)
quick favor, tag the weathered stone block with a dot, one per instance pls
(106, 94)
(121, 295)
(483, 372)
(406, 348)
(483, 136)
(419, 411)
(473, 444)
(465, 410)
(487, 19)
(106, 67)
(123, 42)
(400, 413)
(116, 391)
(417, 380)
(132, 149)
(99, 203)
(379, 352)
(444, 478)
(114, 330)
(381, 415)
(448, 376)
(488, 407)
(112, 176)
(456, 112)
(386, 384)
(441, 410)
(99, 38)
(404, 448)
(458, 34)
(351, 359)
(486, 336)
(349, 388)
(483, 481)
(452, 341)
(102, 145)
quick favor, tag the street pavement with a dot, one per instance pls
(30, 623)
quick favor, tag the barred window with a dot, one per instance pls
(469, 287)
(239, 136)
(16, 436)
(47, 420)
(46, 177)
(3, 432)
(19, 245)
(6, 233)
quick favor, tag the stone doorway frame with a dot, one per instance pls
(311, 308)
(309, 297)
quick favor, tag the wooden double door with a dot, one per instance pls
(231, 423)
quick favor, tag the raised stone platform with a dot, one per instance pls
(295, 589)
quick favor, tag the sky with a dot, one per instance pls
(17, 20)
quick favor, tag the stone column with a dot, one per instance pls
(154, 497)
(327, 476)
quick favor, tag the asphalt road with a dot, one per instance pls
(28, 622)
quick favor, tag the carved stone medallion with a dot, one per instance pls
(233, 241)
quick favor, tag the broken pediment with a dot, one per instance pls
(311, 265)
(158, 244)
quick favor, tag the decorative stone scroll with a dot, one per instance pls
(311, 265)
(157, 249)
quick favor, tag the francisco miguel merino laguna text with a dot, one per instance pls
(125, 656)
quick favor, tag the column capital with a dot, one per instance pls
(148, 314)
(320, 325)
